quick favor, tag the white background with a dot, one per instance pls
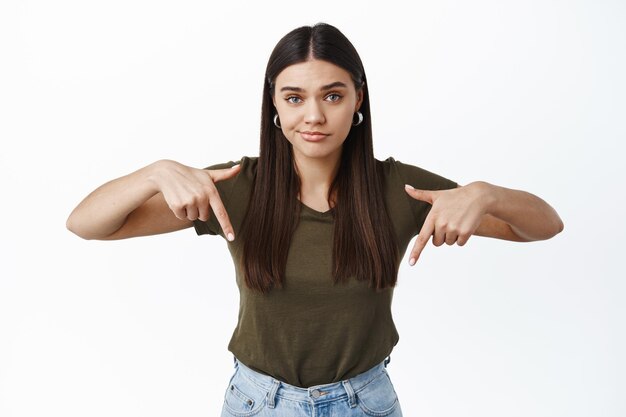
(528, 95)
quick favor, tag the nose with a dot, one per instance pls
(314, 114)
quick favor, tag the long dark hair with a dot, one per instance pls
(365, 245)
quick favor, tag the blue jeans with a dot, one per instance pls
(370, 393)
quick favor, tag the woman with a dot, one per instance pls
(322, 226)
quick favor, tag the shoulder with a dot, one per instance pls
(240, 183)
(247, 163)
(394, 170)
(248, 166)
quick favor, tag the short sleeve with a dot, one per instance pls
(224, 188)
(421, 179)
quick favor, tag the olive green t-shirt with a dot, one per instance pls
(311, 331)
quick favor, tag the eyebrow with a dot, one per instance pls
(323, 88)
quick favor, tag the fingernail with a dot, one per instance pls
(235, 166)
(408, 187)
(412, 261)
(230, 237)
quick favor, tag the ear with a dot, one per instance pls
(359, 99)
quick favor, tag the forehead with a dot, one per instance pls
(312, 74)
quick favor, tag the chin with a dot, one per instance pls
(318, 156)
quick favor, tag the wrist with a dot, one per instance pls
(489, 195)
(153, 173)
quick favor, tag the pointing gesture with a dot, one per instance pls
(191, 193)
(454, 216)
(162, 197)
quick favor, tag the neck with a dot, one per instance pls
(316, 176)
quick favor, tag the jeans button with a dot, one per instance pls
(315, 393)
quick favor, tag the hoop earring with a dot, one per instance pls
(276, 121)
(360, 116)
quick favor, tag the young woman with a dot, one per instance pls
(317, 228)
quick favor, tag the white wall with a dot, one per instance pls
(528, 95)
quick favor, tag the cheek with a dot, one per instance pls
(344, 118)
(287, 118)
(288, 121)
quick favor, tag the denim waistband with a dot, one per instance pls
(315, 394)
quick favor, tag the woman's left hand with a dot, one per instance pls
(454, 216)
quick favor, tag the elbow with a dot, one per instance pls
(547, 231)
(72, 226)
(85, 232)
(69, 225)
(553, 225)
(559, 226)
(553, 229)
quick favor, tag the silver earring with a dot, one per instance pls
(360, 116)
(276, 121)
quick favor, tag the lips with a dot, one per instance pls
(313, 136)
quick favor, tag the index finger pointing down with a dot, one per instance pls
(428, 228)
(222, 216)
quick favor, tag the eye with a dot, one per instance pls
(333, 97)
(293, 99)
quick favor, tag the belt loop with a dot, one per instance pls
(387, 360)
(271, 396)
(348, 387)
(235, 361)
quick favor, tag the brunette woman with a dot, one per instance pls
(317, 228)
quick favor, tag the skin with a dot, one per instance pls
(313, 96)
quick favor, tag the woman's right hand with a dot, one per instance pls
(162, 197)
(191, 193)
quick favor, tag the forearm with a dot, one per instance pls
(529, 217)
(105, 209)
